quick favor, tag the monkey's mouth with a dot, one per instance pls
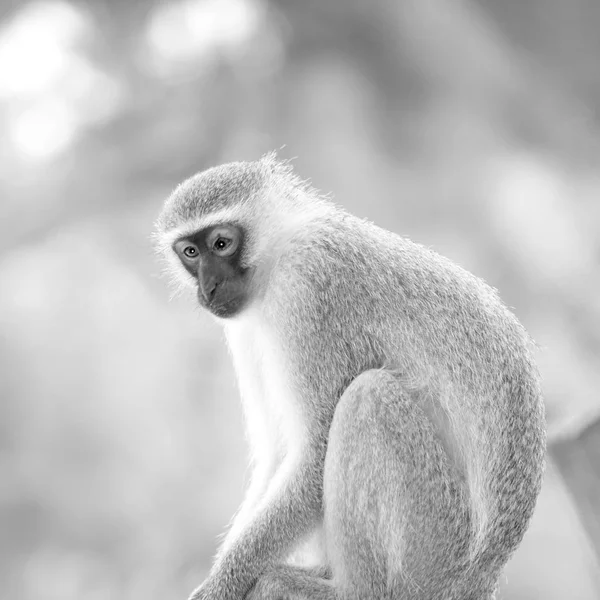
(227, 300)
(226, 309)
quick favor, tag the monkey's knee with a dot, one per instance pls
(356, 477)
(396, 513)
(358, 401)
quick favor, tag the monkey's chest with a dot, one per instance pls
(272, 408)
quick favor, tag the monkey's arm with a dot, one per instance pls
(291, 505)
(262, 473)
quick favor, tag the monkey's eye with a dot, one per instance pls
(223, 241)
(221, 244)
(187, 251)
(190, 251)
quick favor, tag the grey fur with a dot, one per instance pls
(422, 439)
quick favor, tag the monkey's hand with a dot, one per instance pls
(270, 586)
(292, 505)
(286, 582)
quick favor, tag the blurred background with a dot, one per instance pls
(470, 126)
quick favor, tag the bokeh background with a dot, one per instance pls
(471, 126)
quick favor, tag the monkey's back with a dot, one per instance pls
(404, 307)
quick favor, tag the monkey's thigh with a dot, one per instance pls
(396, 515)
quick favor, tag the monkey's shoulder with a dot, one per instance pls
(347, 252)
(344, 271)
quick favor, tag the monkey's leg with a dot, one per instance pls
(396, 520)
(396, 508)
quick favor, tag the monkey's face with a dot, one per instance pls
(213, 257)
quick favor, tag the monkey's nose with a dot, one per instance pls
(208, 289)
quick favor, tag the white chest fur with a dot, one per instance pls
(274, 419)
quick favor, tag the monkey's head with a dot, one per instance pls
(221, 229)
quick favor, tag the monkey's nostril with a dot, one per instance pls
(208, 289)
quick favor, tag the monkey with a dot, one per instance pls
(392, 402)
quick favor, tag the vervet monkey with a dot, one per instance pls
(392, 402)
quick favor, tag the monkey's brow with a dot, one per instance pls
(187, 236)
(226, 216)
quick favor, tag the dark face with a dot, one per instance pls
(213, 256)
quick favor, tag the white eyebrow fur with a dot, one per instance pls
(198, 223)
